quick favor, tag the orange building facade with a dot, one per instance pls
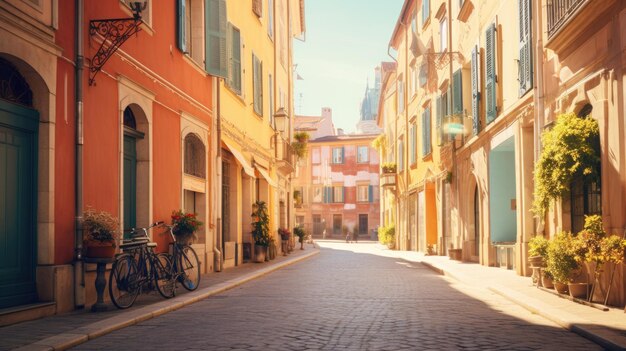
(145, 138)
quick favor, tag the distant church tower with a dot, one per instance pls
(369, 107)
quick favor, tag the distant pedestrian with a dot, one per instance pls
(348, 238)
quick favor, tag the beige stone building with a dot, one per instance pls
(494, 75)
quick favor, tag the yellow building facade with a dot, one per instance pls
(255, 108)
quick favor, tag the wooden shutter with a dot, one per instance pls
(343, 194)
(181, 32)
(525, 48)
(257, 7)
(438, 123)
(457, 92)
(370, 193)
(216, 28)
(475, 90)
(234, 55)
(490, 73)
(257, 85)
(343, 155)
(426, 132)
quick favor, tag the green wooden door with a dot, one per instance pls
(18, 204)
(130, 182)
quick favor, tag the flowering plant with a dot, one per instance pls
(100, 226)
(284, 233)
(184, 223)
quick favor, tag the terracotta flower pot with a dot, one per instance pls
(99, 249)
(561, 288)
(259, 253)
(578, 290)
(547, 282)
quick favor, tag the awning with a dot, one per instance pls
(267, 177)
(241, 159)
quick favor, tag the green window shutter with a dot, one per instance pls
(343, 194)
(234, 54)
(424, 136)
(475, 90)
(426, 133)
(490, 73)
(343, 155)
(370, 193)
(439, 121)
(457, 92)
(257, 85)
(215, 45)
(181, 33)
(525, 51)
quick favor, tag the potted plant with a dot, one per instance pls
(537, 250)
(185, 225)
(101, 231)
(260, 230)
(300, 233)
(561, 261)
(387, 235)
(389, 167)
(300, 144)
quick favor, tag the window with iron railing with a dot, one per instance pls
(559, 11)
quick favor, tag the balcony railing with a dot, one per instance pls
(286, 157)
(388, 179)
(559, 11)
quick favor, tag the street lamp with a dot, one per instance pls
(280, 120)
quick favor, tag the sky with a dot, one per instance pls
(345, 40)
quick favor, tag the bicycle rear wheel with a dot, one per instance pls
(189, 265)
(123, 281)
(163, 276)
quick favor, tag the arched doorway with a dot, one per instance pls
(19, 127)
(131, 136)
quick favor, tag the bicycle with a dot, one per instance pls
(185, 263)
(138, 268)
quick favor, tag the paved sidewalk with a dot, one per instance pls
(606, 328)
(61, 332)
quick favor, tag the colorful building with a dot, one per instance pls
(477, 82)
(336, 184)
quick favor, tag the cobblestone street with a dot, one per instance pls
(349, 297)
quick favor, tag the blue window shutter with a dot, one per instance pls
(215, 38)
(370, 193)
(490, 73)
(181, 37)
(343, 155)
(475, 90)
(439, 121)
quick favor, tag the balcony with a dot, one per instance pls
(388, 180)
(286, 157)
(559, 12)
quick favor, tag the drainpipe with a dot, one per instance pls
(395, 125)
(79, 274)
(539, 93)
(218, 260)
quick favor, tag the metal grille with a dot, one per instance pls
(559, 11)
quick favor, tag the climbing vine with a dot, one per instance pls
(570, 150)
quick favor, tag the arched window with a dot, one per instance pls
(129, 118)
(13, 87)
(195, 156)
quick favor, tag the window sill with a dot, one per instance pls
(235, 94)
(193, 63)
(428, 157)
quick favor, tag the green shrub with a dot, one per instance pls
(387, 235)
(538, 246)
(561, 262)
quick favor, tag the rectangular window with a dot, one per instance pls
(362, 193)
(475, 90)
(457, 92)
(490, 73)
(400, 95)
(270, 18)
(413, 144)
(400, 155)
(216, 27)
(257, 85)
(317, 194)
(425, 11)
(338, 154)
(362, 154)
(315, 156)
(234, 55)
(443, 34)
(426, 133)
(525, 50)
(423, 75)
(338, 193)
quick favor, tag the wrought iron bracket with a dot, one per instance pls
(114, 33)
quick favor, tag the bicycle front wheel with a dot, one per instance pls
(124, 281)
(189, 267)
(163, 276)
